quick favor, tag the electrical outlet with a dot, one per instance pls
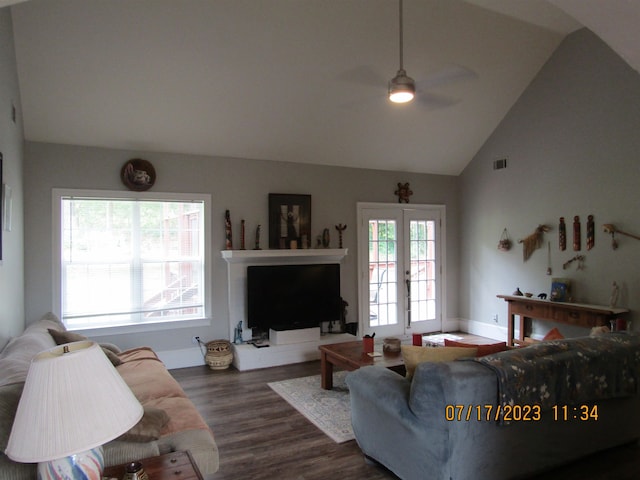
(495, 318)
(195, 340)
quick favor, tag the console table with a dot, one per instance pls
(578, 314)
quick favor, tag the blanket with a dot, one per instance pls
(568, 371)
(153, 386)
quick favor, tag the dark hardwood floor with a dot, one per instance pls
(260, 436)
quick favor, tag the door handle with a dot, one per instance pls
(408, 283)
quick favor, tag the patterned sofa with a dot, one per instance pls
(170, 422)
(438, 425)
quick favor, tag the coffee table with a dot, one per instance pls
(350, 356)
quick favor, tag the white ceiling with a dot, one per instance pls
(292, 80)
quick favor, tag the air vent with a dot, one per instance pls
(500, 164)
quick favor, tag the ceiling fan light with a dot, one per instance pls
(402, 88)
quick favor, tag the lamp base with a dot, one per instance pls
(80, 466)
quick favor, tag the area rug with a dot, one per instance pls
(329, 410)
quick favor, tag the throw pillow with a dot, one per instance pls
(148, 428)
(553, 334)
(62, 337)
(483, 350)
(413, 355)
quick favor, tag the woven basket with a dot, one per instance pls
(219, 355)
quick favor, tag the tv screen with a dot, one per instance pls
(288, 297)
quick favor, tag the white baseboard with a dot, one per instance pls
(185, 357)
(483, 329)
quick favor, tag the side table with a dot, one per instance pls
(174, 466)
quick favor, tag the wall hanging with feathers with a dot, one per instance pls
(533, 241)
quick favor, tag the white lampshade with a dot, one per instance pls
(73, 400)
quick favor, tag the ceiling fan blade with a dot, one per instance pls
(449, 74)
(434, 101)
(363, 75)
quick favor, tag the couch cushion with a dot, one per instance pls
(62, 337)
(149, 426)
(153, 386)
(9, 399)
(16, 357)
(414, 355)
(483, 350)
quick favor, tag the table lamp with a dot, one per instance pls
(73, 402)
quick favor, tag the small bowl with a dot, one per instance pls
(528, 294)
(391, 345)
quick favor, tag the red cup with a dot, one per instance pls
(621, 324)
(417, 339)
(367, 344)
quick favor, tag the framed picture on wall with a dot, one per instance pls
(289, 221)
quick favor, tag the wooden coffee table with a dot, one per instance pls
(349, 356)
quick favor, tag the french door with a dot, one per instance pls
(400, 263)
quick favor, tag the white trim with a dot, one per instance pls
(482, 329)
(183, 358)
(58, 193)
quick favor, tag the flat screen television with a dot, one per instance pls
(289, 297)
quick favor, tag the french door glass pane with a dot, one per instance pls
(422, 269)
(383, 275)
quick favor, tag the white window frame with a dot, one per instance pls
(59, 193)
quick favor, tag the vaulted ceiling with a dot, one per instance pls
(292, 80)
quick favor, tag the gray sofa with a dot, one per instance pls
(403, 424)
(179, 427)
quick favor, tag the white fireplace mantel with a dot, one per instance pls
(237, 263)
(281, 257)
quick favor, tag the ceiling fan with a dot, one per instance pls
(402, 88)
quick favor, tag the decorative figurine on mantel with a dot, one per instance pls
(403, 192)
(341, 228)
(227, 230)
(258, 238)
(326, 238)
(242, 234)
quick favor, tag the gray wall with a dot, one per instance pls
(11, 145)
(573, 146)
(240, 185)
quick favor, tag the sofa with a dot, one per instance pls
(170, 421)
(435, 425)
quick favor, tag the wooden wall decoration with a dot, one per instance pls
(576, 234)
(562, 235)
(590, 232)
(533, 241)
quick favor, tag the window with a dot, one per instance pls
(130, 259)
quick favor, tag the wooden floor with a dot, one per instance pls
(260, 436)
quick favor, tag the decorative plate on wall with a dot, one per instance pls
(138, 175)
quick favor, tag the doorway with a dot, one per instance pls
(400, 251)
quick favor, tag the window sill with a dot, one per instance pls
(142, 327)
